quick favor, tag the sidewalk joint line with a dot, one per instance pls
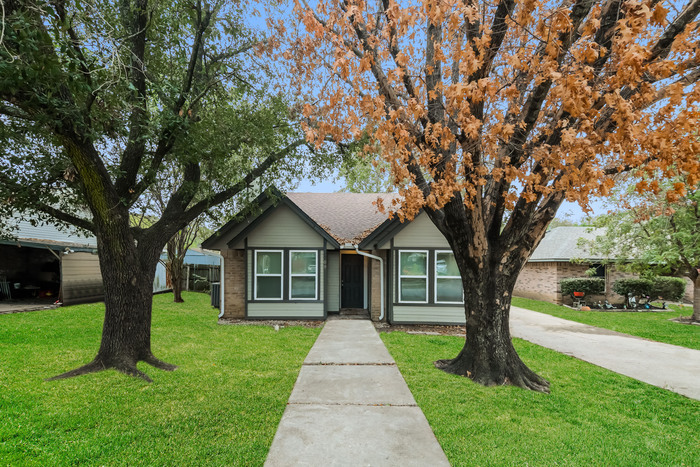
(347, 364)
(350, 404)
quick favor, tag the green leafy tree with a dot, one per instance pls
(656, 232)
(365, 175)
(98, 98)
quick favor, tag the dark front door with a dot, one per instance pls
(352, 281)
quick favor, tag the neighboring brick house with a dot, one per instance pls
(559, 256)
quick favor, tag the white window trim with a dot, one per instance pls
(292, 275)
(427, 270)
(256, 274)
(444, 277)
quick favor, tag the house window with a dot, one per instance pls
(303, 278)
(448, 282)
(413, 276)
(268, 275)
(599, 270)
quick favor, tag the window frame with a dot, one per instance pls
(293, 275)
(435, 282)
(256, 275)
(426, 276)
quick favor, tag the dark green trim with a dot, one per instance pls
(389, 291)
(285, 275)
(268, 195)
(430, 323)
(295, 209)
(245, 276)
(431, 279)
(384, 233)
(286, 318)
(325, 279)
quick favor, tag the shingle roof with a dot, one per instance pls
(562, 244)
(347, 217)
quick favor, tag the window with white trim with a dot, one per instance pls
(448, 282)
(268, 275)
(413, 276)
(303, 275)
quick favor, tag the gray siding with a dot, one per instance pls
(283, 228)
(333, 281)
(428, 314)
(285, 310)
(81, 279)
(420, 233)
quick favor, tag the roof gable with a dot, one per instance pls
(244, 223)
(347, 217)
(562, 244)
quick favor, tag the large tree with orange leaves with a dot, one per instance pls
(492, 113)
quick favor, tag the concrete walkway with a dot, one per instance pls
(666, 366)
(351, 406)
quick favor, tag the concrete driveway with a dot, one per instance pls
(666, 366)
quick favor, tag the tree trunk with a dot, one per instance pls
(128, 272)
(175, 264)
(488, 356)
(177, 287)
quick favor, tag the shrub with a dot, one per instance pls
(669, 288)
(633, 287)
(587, 285)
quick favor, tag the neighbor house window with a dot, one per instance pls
(268, 275)
(413, 276)
(303, 278)
(448, 282)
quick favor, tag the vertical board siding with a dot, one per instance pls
(333, 281)
(286, 310)
(283, 228)
(321, 275)
(421, 232)
(428, 314)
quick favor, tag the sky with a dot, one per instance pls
(568, 211)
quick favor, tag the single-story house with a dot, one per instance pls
(561, 255)
(306, 255)
(45, 262)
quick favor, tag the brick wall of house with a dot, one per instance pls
(234, 283)
(538, 281)
(374, 285)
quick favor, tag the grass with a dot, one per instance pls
(592, 417)
(649, 325)
(221, 406)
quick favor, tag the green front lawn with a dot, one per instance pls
(649, 325)
(221, 406)
(592, 417)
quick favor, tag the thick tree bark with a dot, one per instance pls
(490, 262)
(488, 356)
(128, 271)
